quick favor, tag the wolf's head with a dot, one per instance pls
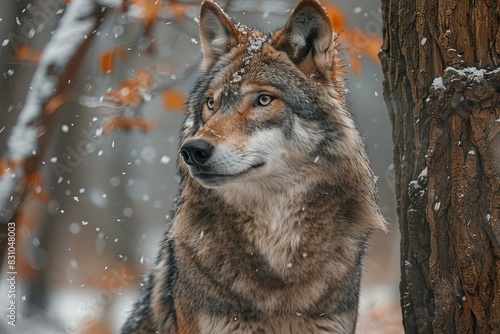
(269, 109)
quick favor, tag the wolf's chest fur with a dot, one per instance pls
(271, 271)
(292, 324)
(283, 260)
(277, 199)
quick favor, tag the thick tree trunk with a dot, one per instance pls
(440, 59)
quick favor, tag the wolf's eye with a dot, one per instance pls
(264, 100)
(210, 103)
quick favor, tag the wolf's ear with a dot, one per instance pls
(217, 33)
(307, 36)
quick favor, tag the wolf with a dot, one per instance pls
(276, 201)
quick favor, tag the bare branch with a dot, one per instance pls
(80, 20)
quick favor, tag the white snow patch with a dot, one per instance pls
(189, 123)
(471, 72)
(416, 183)
(115, 181)
(73, 264)
(165, 160)
(148, 153)
(128, 212)
(98, 198)
(438, 83)
(22, 141)
(256, 44)
(110, 3)
(36, 242)
(236, 77)
(74, 228)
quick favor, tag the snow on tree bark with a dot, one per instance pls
(441, 86)
(75, 30)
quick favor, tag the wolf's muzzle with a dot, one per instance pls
(196, 152)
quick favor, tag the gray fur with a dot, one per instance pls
(268, 234)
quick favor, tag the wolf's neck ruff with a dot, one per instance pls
(277, 200)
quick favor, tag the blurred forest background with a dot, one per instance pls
(102, 179)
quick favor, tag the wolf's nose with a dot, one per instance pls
(196, 152)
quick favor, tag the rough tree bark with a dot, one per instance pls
(442, 89)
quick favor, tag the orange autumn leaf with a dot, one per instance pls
(124, 6)
(339, 22)
(6, 165)
(359, 44)
(177, 9)
(150, 10)
(94, 325)
(55, 103)
(174, 100)
(3, 168)
(127, 123)
(368, 46)
(108, 58)
(355, 41)
(28, 54)
(356, 66)
(42, 197)
(129, 92)
(33, 182)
